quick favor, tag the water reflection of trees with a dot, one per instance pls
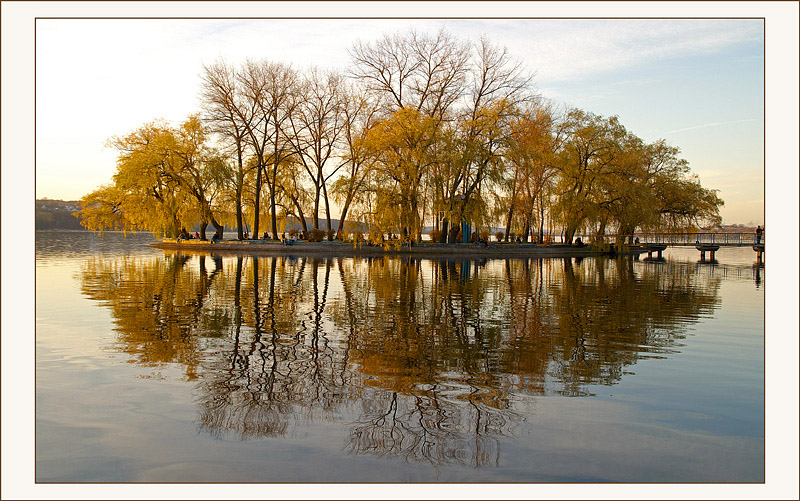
(424, 359)
(157, 307)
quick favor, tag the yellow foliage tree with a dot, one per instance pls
(166, 178)
(404, 147)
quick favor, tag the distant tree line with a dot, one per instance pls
(57, 214)
(419, 129)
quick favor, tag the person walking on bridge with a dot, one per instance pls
(759, 232)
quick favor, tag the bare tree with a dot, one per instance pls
(282, 89)
(443, 65)
(414, 70)
(317, 126)
(386, 67)
(496, 76)
(252, 78)
(359, 115)
(229, 116)
(268, 88)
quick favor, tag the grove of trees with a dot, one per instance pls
(421, 130)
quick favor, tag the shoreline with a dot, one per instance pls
(425, 249)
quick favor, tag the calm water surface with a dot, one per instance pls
(153, 366)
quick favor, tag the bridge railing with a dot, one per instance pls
(689, 238)
(685, 238)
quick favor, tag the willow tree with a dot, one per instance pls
(166, 178)
(590, 153)
(404, 151)
(498, 87)
(609, 177)
(294, 199)
(102, 209)
(624, 195)
(531, 152)
(475, 159)
(141, 196)
(685, 204)
(196, 169)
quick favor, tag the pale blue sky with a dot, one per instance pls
(697, 83)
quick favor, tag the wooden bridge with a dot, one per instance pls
(702, 241)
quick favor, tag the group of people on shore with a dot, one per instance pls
(185, 235)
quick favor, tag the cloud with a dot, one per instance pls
(567, 49)
(710, 125)
(556, 49)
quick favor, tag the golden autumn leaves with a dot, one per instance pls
(422, 130)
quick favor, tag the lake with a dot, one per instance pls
(153, 366)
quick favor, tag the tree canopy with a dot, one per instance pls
(421, 130)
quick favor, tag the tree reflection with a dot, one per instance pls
(281, 370)
(157, 307)
(424, 360)
(609, 318)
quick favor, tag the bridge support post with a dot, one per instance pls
(658, 249)
(759, 248)
(707, 247)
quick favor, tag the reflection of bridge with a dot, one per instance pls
(702, 241)
(712, 269)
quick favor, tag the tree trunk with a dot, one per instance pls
(569, 232)
(203, 225)
(443, 234)
(342, 218)
(300, 214)
(258, 198)
(452, 236)
(239, 215)
(541, 222)
(219, 229)
(274, 214)
(509, 217)
(315, 216)
(239, 187)
(303, 222)
(601, 231)
(173, 230)
(327, 211)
